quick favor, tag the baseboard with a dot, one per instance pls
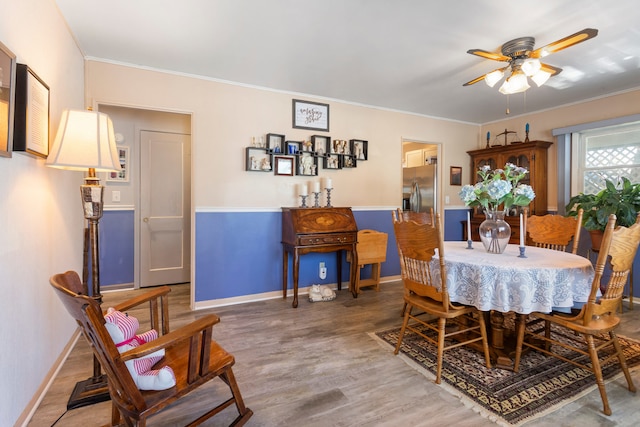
(25, 417)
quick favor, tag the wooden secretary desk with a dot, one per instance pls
(306, 230)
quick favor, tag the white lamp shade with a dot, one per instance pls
(85, 139)
(515, 84)
(541, 77)
(493, 77)
(530, 66)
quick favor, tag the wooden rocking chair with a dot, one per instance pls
(190, 351)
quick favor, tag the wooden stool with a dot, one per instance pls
(371, 249)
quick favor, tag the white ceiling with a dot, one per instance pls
(406, 55)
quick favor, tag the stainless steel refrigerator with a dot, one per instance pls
(419, 188)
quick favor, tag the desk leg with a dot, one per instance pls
(296, 271)
(353, 271)
(339, 266)
(285, 271)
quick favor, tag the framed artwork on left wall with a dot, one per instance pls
(123, 175)
(31, 130)
(7, 99)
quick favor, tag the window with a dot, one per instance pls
(605, 153)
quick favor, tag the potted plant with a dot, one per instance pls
(623, 200)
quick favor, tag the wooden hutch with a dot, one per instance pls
(531, 155)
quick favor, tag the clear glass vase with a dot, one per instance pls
(495, 232)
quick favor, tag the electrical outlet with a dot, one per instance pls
(322, 271)
(115, 196)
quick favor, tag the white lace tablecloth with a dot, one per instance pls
(505, 282)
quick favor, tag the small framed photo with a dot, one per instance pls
(7, 100)
(310, 115)
(31, 130)
(456, 175)
(320, 143)
(360, 149)
(275, 142)
(283, 165)
(123, 174)
(349, 161)
(307, 164)
(332, 161)
(293, 147)
(258, 160)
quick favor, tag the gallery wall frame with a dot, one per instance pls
(32, 112)
(7, 99)
(310, 115)
(283, 165)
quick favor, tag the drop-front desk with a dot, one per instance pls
(306, 230)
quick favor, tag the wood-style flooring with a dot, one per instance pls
(317, 366)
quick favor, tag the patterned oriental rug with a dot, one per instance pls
(543, 385)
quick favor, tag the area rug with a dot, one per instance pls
(543, 385)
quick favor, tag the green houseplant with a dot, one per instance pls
(623, 200)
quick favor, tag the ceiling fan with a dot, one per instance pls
(524, 61)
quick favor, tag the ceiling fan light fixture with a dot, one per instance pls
(516, 83)
(541, 77)
(493, 77)
(530, 66)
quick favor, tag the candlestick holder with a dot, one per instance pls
(526, 138)
(317, 195)
(522, 255)
(304, 201)
(328, 196)
(469, 244)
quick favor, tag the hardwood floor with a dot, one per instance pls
(317, 366)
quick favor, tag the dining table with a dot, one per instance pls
(542, 280)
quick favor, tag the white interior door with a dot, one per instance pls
(164, 208)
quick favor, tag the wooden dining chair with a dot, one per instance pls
(421, 218)
(417, 245)
(597, 320)
(554, 231)
(190, 351)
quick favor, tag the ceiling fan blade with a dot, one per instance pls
(476, 80)
(579, 37)
(489, 55)
(550, 69)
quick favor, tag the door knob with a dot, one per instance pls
(145, 219)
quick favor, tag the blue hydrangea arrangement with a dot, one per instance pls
(498, 187)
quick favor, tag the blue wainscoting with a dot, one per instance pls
(116, 247)
(239, 253)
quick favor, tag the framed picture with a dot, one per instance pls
(319, 144)
(275, 142)
(310, 115)
(360, 149)
(456, 175)
(258, 160)
(31, 130)
(283, 165)
(293, 147)
(349, 161)
(332, 161)
(123, 174)
(7, 99)
(307, 164)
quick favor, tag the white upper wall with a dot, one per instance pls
(40, 214)
(227, 116)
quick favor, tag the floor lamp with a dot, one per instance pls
(86, 141)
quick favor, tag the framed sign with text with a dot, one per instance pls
(310, 115)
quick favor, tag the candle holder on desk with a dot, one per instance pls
(304, 201)
(328, 196)
(522, 255)
(317, 196)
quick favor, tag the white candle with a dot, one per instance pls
(468, 226)
(303, 189)
(327, 183)
(521, 231)
(316, 187)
